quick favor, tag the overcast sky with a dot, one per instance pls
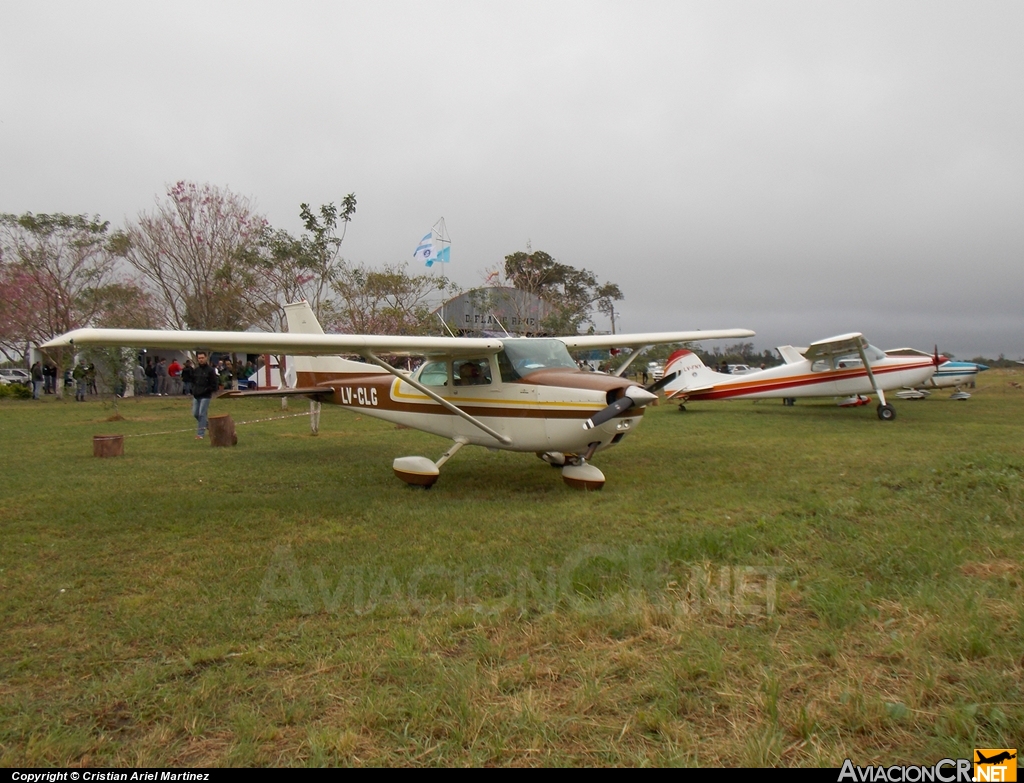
(802, 169)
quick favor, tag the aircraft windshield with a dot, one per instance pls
(848, 361)
(526, 355)
(853, 359)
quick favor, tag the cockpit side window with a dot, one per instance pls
(821, 365)
(848, 362)
(434, 374)
(471, 372)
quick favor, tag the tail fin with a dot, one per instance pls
(694, 375)
(302, 320)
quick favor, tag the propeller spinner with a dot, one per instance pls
(633, 397)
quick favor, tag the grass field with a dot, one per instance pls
(755, 585)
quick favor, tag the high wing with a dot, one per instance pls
(278, 343)
(906, 352)
(364, 345)
(591, 341)
(836, 346)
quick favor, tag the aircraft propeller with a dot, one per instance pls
(634, 396)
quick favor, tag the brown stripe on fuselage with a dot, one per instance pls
(382, 383)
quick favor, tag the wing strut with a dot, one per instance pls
(629, 359)
(871, 375)
(438, 398)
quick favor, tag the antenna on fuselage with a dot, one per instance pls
(500, 324)
(445, 324)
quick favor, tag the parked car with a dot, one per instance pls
(15, 376)
(655, 371)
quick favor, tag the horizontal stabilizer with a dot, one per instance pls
(304, 391)
(687, 391)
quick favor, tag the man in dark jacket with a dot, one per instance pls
(204, 384)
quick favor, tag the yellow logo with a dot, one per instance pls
(998, 765)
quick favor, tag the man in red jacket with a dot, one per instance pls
(174, 373)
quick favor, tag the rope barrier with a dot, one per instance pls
(237, 424)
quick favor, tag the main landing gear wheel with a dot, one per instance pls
(886, 412)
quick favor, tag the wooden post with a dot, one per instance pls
(222, 430)
(107, 445)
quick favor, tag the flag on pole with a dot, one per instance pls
(435, 247)
(425, 251)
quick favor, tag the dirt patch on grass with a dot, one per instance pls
(993, 569)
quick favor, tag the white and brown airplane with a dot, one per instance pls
(520, 394)
(845, 366)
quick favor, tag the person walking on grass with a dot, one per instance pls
(204, 384)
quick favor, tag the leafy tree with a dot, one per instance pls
(292, 269)
(574, 293)
(385, 301)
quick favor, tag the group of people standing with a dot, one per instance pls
(82, 376)
(163, 379)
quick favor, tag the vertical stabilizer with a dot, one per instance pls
(693, 373)
(301, 320)
(790, 354)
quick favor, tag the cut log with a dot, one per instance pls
(222, 430)
(108, 445)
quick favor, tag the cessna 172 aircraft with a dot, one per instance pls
(844, 366)
(520, 394)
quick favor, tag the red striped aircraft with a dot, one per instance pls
(845, 366)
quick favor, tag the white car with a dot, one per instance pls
(15, 376)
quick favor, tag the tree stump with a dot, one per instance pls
(222, 430)
(108, 445)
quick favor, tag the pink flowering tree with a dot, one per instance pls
(57, 273)
(194, 252)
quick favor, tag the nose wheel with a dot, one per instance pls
(583, 476)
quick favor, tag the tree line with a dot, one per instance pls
(204, 259)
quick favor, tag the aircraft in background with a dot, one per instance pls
(520, 394)
(949, 374)
(844, 366)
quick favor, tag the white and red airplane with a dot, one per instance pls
(845, 366)
(520, 394)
